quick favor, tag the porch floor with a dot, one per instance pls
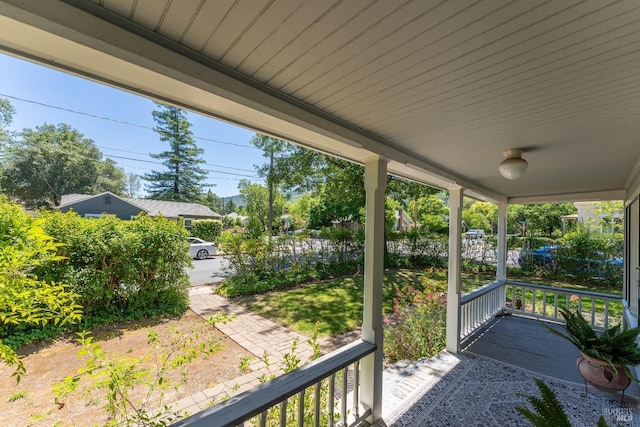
(480, 386)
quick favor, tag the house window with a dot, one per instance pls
(187, 222)
(107, 200)
(90, 215)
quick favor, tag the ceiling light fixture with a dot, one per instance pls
(513, 166)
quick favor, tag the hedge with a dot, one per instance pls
(206, 229)
(121, 268)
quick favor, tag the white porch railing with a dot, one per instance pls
(309, 383)
(601, 310)
(479, 306)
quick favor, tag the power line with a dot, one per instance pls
(160, 163)
(78, 155)
(146, 154)
(122, 122)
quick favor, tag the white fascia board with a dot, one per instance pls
(571, 197)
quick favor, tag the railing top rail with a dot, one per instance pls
(567, 291)
(257, 400)
(477, 293)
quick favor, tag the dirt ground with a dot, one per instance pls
(47, 363)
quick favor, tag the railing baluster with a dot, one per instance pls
(283, 413)
(332, 399)
(301, 408)
(593, 311)
(555, 306)
(263, 419)
(606, 314)
(316, 398)
(356, 388)
(533, 301)
(579, 304)
(343, 409)
(544, 303)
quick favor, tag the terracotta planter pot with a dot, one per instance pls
(599, 374)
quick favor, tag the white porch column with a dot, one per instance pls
(375, 182)
(501, 271)
(455, 249)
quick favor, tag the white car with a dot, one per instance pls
(474, 233)
(199, 249)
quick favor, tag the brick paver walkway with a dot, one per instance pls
(259, 335)
(253, 332)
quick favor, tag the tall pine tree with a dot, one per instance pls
(183, 179)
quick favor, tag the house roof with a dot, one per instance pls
(439, 90)
(152, 207)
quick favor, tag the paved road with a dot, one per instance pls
(207, 271)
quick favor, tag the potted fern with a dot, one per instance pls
(606, 357)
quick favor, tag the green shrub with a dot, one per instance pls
(206, 229)
(121, 269)
(27, 300)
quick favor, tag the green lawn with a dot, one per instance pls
(337, 304)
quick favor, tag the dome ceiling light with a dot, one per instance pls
(513, 166)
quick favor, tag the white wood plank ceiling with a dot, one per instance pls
(454, 83)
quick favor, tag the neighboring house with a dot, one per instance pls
(234, 216)
(346, 223)
(403, 221)
(93, 206)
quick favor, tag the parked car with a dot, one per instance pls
(598, 266)
(474, 233)
(199, 249)
(543, 255)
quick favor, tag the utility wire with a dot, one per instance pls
(82, 156)
(146, 154)
(122, 122)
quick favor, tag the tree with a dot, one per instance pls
(541, 218)
(26, 300)
(408, 192)
(54, 160)
(257, 208)
(433, 212)
(133, 185)
(276, 170)
(184, 178)
(6, 117)
(481, 215)
(110, 178)
(214, 202)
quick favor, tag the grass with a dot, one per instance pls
(336, 304)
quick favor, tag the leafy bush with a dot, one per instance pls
(417, 327)
(27, 300)
(121, 269)
(206, 229)
(268, 280)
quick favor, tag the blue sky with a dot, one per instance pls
(33, 85)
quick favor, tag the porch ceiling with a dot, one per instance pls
(441, 88)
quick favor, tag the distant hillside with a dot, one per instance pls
(237, 200)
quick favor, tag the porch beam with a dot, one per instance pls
(455, 250)
(375, 181)
(501, 271)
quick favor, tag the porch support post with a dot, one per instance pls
(375, 181)
(455, 249)
(501, 271)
